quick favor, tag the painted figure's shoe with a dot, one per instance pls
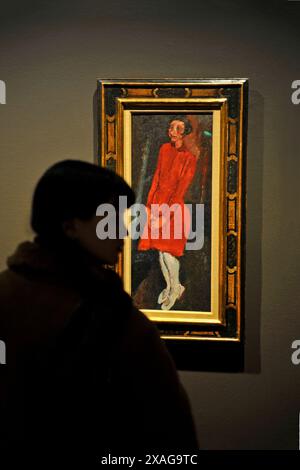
(163, 295)
(174, 295)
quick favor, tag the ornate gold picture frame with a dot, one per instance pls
(207, 170)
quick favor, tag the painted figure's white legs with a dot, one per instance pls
(165, 292)
(173, 266)
(174, 290)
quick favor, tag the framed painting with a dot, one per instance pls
(181, 145)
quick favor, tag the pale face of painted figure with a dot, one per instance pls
(176, 132)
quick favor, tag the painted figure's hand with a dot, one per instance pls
(157, 221)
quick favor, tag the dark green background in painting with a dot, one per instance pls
(194, 264)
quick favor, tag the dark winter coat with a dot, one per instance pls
(86, 371)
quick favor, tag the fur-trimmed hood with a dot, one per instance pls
(34, 259)
(42, 288)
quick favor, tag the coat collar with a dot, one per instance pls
(34, 259)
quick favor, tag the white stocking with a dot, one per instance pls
(173, 266)
(176, 289)
(165, 292)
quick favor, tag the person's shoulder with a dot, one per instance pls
(141, 336)
(9, 284)
(141, 327)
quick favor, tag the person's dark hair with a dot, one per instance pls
(187, 125)
(73, 189)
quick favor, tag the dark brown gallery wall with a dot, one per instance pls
(51, 55)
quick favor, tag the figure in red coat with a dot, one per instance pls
(167, 228)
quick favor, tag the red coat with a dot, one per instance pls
(173, 175)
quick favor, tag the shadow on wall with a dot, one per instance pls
(255, 162)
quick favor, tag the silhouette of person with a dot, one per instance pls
(86, 371)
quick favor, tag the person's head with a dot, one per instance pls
(64, 207)
(179, 126)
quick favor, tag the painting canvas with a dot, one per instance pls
(162, 270)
